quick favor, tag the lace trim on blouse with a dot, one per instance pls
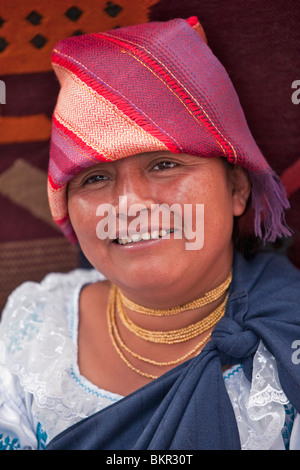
(259, 406)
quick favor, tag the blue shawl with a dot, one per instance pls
(188, 408)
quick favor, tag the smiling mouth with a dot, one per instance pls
(142, 237)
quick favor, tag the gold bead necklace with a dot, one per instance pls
(164, 337)
(151, 361)
(110, 312)
(208, 298)
(172, 336)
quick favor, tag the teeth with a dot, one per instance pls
(137, 237)
(146, 236)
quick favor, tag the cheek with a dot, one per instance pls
(215, 197)
(219, 216)
(208, 190)
(82, 213)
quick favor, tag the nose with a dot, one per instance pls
(134, 194)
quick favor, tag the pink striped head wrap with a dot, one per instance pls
(155, 86)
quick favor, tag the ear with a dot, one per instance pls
(241, 189)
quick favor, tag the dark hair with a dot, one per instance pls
(244, 238)
(249, 244)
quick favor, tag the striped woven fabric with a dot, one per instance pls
(155, 86)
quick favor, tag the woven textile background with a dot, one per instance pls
(258, 42)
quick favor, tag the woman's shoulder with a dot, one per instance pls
(38, 353)
(36, 305)
(54, 285)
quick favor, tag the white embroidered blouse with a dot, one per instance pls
(42, 391)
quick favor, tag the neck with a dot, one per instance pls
(191, 312)
(166, 294)
(181, 320)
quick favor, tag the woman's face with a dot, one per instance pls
(173, 264)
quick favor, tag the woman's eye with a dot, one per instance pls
(95, 179)
(164, 165)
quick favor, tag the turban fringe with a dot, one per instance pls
(152, 87)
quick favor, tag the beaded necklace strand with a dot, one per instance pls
(116, 305)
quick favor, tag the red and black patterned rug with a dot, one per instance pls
(258, 43)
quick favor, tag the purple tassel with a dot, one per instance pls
(269, 202)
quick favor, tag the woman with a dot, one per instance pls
(173, 345)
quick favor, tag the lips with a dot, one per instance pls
(143, 236)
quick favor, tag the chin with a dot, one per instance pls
(146, 277)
